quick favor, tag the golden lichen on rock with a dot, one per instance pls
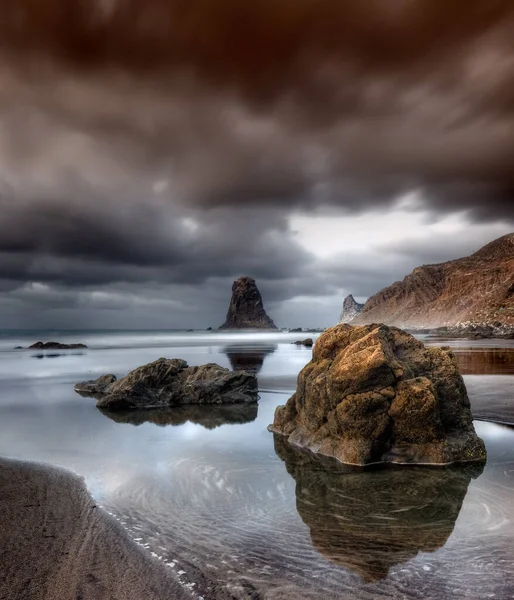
(374, 394)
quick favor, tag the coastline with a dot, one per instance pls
(55, 543)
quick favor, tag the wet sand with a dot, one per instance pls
(56, 544)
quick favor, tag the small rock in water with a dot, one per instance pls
(54, 346)
(306, 342)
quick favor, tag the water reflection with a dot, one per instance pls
(369, 521)
(209, 417)
(248, 357)
(490, 361)
(41, 355)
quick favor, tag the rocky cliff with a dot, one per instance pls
(351, 309)
(246, 310)
(478, 289)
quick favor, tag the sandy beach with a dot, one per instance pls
(56, 544)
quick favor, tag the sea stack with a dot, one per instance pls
(375, 394)
(246, 310)
(351, 309)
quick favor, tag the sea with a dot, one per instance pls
(235, 512)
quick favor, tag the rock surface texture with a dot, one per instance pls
(478, 289)
(246, 310)
(169, 382)
(98, 386)
(351, 309)
(375, 394)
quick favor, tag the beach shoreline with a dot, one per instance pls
(57, 544)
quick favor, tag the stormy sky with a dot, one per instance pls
(152, 151)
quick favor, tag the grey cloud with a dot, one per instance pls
(170, 158)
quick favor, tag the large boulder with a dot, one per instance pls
(374, 394)
(170, 382)
(246, 310)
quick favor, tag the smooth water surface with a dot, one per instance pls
(239, 514)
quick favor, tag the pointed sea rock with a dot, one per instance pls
(246, 310)
(351, 309)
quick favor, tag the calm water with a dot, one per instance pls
(238, 514)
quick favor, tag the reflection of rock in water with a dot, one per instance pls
(248, 358)
(369, 521)
(485, 361)
(55, 354)
(209, 417)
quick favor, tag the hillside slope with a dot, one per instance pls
(477, 289)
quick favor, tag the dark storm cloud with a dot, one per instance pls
(258, 47)
(164, 144)
(84, 243)
(358, 102)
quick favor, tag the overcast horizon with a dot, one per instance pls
(152, 152)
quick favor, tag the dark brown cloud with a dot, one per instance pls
(168, 142)
(260, 46)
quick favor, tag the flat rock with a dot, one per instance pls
(170, 382)
(375, 394)
(55, 346)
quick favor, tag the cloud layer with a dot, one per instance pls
(152, 151)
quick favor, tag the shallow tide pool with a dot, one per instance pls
(238, 514)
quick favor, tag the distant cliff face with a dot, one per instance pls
(475, 289)
(351, 308)
(246, 310)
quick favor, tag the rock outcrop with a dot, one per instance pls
(246, 310)
(351, 309)
(375, 394)
(170, 382)
(308, 342)
(384, 519)
(97, 387)
(55, 346)
(476, 290)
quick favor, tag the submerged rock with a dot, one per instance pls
(375, 394)
(170, 382)
(55, 346)
(388, 515)
(246, 310)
